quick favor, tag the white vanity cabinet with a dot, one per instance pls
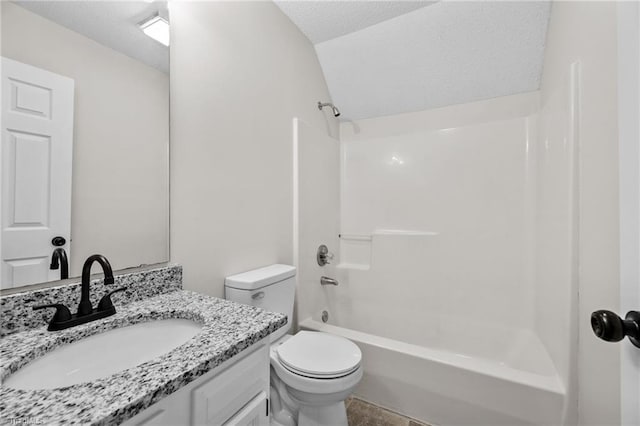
(234, 393)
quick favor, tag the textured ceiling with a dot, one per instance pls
(111, 23)
(448, 53)
(324, 20)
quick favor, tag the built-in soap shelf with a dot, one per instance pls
(356, 249)
(353, 266)
(355, 237)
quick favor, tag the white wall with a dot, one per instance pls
(240, 72)
(120, 152)
(586, 32)
(460, 172)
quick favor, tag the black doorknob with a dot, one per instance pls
(610, 327)
(58, 241)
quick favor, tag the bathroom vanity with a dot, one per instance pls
(234, 393)
(218, 376)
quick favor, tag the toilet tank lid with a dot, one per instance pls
(261, 277)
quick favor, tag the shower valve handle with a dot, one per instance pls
(323, 256)
(611, 328)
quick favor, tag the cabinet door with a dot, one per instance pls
(219, 399)
(252, 414)
(170, 411)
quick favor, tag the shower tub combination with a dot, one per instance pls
(460, 375)
(436, 257)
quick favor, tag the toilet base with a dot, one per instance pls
(290, 407)
(334, 414)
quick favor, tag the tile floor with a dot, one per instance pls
(362, 413)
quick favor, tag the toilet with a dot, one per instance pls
(312, 373)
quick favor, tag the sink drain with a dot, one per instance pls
(325, 316)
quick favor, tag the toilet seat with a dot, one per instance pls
(319, 355)
(317, 386)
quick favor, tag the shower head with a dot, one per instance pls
(336, 111)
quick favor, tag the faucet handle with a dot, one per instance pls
(106, 303)
(323, 256)
(62, 312)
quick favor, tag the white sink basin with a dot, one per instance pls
(103, 354)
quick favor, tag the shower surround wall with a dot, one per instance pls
(444, 197)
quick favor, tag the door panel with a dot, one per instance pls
(27, 270)
(28, 181)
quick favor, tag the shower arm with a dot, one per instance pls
(336, 111)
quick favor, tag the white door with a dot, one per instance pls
(37, 141)
(629, 146)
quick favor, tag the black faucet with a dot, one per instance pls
(86, 313)
(85, 307)
(59, 260)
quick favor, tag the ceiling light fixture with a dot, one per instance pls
(157, 28)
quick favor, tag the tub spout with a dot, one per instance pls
(328, 281)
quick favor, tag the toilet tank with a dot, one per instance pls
(271, 288)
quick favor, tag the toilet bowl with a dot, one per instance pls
(312, 373)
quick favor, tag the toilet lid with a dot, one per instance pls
(317, 354)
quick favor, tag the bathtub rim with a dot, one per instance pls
(551, 383)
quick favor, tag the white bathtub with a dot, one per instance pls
(447, 371)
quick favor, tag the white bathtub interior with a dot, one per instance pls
(487, 344)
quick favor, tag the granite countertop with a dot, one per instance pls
(228, 328)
